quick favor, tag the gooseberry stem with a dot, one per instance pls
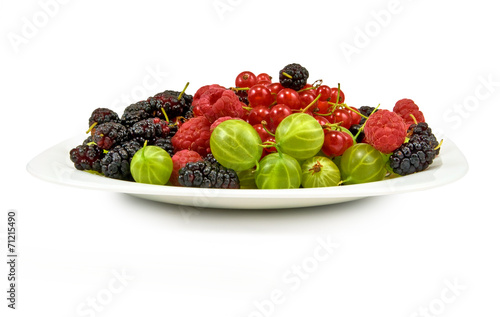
(316, 168)
(142, 154)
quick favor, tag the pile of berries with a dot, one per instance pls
(183, 125)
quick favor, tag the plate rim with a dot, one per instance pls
(63, 172)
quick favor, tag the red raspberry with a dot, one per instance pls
(385, 131)
(404, 108)
(202, 90)
(216, 102)
(220, 120)
(180, 159)
(194, 135)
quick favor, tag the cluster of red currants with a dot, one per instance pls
(269, 103)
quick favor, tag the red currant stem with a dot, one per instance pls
(264, 125)
(338, 93)
(247, 108)
(91, 127)
(334, 106)
(439, 145)
(354, 110)
(317, 83)
(306, 89)
(183, 90)
(414, 119)
(312, 103)
(239, 88)
(363, 126)
(165, 114)
(333, 126)
(323, 114)
(287, 75)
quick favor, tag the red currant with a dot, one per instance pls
(342, 116)
(245, 80)
(275, 87)
(323, 107)
(257, 115)
(261, 131)
(264, 77)
(321, 120)
(336, 142)
(306, 98)
(325, 92)
(276, 115)
(355, 117)
(260, 95)
(334, 95)
(289, 97)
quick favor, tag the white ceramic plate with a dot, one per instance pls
(54, 165)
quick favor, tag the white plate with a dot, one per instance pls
(54, 165)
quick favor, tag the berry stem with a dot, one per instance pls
(239, 88)
(334, 107)
(353, 110)
(439, 145)
(287, 75)
(268, 144)
(278, 148)
(183, 90)
(414, 119)
(264, 125)
(165, 114)
(338, 93)
(317, 83)
(333, 126)
(363, 126)
(305, 89)
(91, 127)
(142, 154)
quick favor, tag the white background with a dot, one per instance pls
(396, 254)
